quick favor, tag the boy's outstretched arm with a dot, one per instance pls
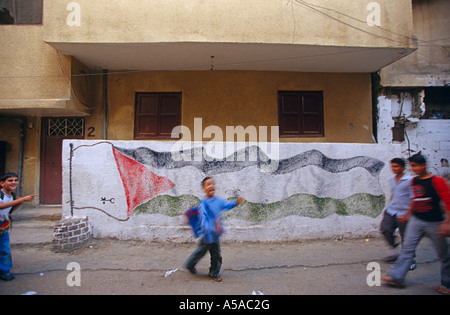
(228, 205)
(16, 202)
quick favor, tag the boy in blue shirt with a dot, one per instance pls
(211, 229)
(8, 203)
(401, 195)
(425, 217)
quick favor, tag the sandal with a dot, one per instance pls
(218, 278)
(443, 290)
(393, 283)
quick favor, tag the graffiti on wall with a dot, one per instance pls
(123, 179)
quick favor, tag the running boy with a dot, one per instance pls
(8, 203)
(397, 207)
(211, 229)
(425, 218)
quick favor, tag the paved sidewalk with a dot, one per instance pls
(132, 267)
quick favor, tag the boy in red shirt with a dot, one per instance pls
(425, 218)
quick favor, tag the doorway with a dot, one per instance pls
(3, 147)
(53, 132)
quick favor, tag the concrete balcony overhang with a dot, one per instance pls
(232, 56)
(40, 107)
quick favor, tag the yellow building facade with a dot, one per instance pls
(82, 71)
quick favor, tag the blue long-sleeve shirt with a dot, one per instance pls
(211, 222)
(401, 196)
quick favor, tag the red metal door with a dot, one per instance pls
(54, 131)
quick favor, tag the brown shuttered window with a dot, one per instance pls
(156, 115)
(301, 114)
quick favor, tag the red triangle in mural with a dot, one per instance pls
(139, 182)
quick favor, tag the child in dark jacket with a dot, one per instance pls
(211, 228)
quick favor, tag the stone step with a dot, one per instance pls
(34, 225)
(38, 213)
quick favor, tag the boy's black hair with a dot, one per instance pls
(204, 180)
(399, 161)
(8, 175)
(418, 158)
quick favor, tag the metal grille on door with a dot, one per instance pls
(65, 127)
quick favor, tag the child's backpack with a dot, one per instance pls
(4, 227)
(6, 224)
(2, 194)
(194, 219)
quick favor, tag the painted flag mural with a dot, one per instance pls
(140, 184)
(144, 181)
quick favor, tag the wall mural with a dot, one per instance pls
(131, 179)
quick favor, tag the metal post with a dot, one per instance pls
(70, 179)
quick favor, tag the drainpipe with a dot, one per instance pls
(21, 155)
(376, 88)
(105, 104)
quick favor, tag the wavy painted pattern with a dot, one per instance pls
(298, 205)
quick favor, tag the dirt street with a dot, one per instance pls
(136, 267)
(118, 267)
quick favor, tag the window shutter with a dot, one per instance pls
(156, 115)
(301, 114)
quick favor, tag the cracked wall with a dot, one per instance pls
(431, 137)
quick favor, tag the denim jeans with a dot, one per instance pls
(216, 257)
(388, 227)
(415, 231)
(5, 253)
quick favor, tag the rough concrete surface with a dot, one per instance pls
(112, 267)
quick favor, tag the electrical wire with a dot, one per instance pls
(304, 4)
(419, 42)
(309, 6)
(193, 67)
